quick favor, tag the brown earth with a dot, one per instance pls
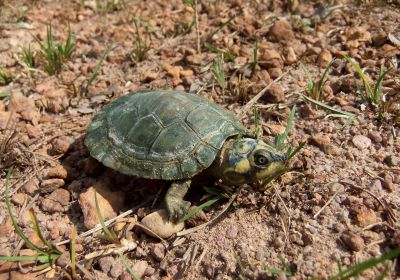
(340, 204)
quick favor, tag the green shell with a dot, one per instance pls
(160, 134)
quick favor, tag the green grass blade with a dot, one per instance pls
(279, 141)
(360, 267)
(367, 85)
(97, 68)
(214, 191)
(109, 233)
(37, 229)
(197, 209)
(311, 84)
(323, 80)
(223, 25)
(40, 258)
(14, 222)
(256, 122)
(327, 107)
(127, 266)
(291, 154)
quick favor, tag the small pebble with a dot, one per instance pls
(366, 218)
(391, 160)
(60, 146)
(375, 136)
(159, 223)
(49, 185)
(274, 94)
(158, 251)
(388, 182)
(353, 241)
(58, 171)
(361, 142)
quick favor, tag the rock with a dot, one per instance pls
(319, 140)
(194, 59)
(56, 201)
(60, 146)
(106, 263)
(159, 223)
(306, 112)
(5, 119)
(388, 182)
(109, 202)
(391, 160)
(282, 31)
(274, 94)
(2, 106)
(173, 71)
(365, 218)
(275, 72)
(379, 39)
(324, 58)
(149, 76)
(58, 171)
(19, 198)
(23, 106)
(31, 186)
(197, 219)
(270, 58)
(33, 131)
(158, 251)
(375, 136)
(49, 185)
(290, 56)
(139, 268)
(361, 142)
(353, 241)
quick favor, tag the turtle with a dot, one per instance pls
(174, 136)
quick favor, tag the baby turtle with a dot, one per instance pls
(174, 136)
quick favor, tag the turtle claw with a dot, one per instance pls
(177, 209)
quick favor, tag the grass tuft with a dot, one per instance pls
(218, 71)
(54, 54)
(314, 89)
(141, 44)
(5, 78)
(372, 94)
(47, 257)
(28, 57)
(108, 6)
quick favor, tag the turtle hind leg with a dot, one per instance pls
(176, 206)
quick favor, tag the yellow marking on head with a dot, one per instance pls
(243, 166)
(242, 148)
(273, 169)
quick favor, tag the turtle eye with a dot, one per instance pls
(261, 159)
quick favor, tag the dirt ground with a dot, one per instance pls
(338, 206)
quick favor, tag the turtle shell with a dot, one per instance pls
(160, 134)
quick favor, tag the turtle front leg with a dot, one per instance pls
(176, 206)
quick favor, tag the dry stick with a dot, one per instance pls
(152, 232)
(391, 214)
(201, 256)
(326, 204)
(196, 10)
(194, 229)
(250, 104)
(107, 223)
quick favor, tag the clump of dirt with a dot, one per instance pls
(339, 204)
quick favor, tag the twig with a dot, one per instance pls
(250, 104)
(125, 246)
(384, 206)
(196, 11)
(194, 229)
(326, 204)
(152, 233)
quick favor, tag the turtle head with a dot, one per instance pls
(246, 160)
